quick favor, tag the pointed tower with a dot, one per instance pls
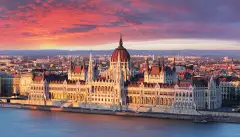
(90, 69)
(211, 83)
(231, 67)
(146, 67)
(159, 64)
(211, 92)
(70, 69)
(71, 64)
(163, 66)
(174, 65)
(96, 71)
(146, 70)
(174, 76)
(120, 41)
(162, 73)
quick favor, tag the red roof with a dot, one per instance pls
(181, 73)
(184, 83)
(155, 71)
(77, 69)
(231, 69)
(124, 55)
(140, 80)
(38, 78)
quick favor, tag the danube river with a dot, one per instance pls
(26, 123)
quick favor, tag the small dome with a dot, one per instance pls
(124, 55)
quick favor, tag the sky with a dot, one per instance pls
(97, 24)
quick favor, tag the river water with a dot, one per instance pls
(26, 123)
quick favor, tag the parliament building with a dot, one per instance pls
(158, 90)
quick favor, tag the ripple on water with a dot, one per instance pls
(24, 123)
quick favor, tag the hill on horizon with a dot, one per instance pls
(209, 53)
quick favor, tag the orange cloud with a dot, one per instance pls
(42, 24)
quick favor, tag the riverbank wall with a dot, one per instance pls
(209, 116)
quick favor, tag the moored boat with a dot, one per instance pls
(200, 121)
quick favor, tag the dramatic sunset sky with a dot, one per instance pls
(96, 24)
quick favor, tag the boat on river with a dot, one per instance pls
(204, 121)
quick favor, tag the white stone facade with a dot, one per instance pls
(116, 92)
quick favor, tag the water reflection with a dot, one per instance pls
(58, 124)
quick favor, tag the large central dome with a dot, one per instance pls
(124, 55)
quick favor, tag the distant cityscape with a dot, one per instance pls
(140, 83)
(216, 54)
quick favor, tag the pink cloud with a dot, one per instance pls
(94, 22)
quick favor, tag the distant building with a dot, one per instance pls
(171, 59)
(226, 59)
(230, 89)
(16, 85)
(25, 83)
(77, 72)
(160, 73)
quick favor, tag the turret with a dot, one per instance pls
(95, 69)
(120, 41)
(163, 66)
(162, 73)
(70, 68)
(71, 64)
(211, 83)
(174, 65)
(231, 66)
(90, 68)
(159, 64)
(146, 67)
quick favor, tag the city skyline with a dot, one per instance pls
(153, 24)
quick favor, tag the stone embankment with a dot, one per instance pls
(205, 115)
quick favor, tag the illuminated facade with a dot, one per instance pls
(114, 89)
(160, 74)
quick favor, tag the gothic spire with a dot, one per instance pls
(163, 66)
(90, 68)
(146, 65)
(71, 64)
(159, 63)
(174, 65)
(120, 41)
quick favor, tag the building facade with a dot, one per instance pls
(6, 85)
(230, 92)
(25, 83)
(115, 90)
(160, 74)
